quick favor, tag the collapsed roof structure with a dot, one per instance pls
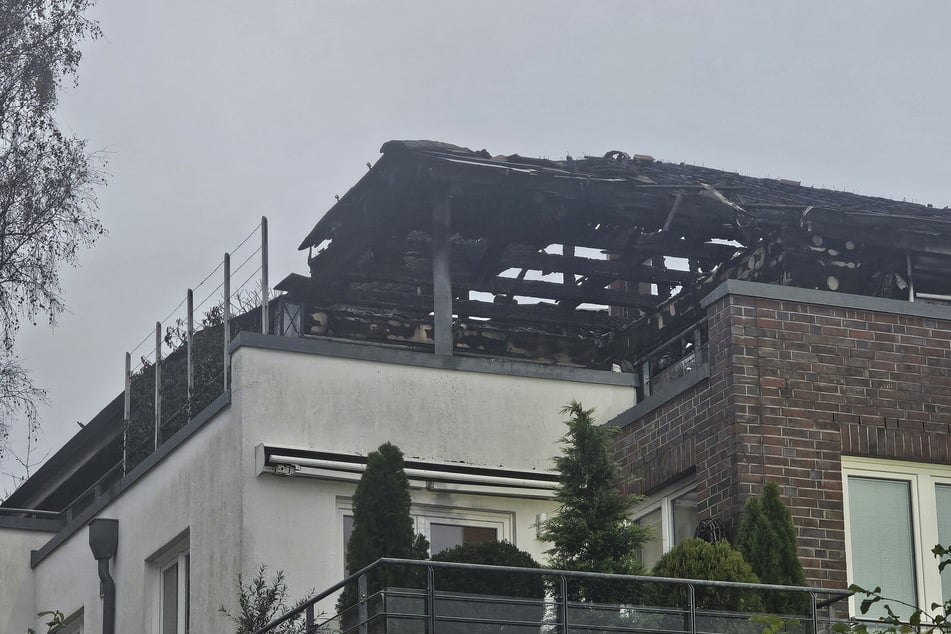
(588, 261)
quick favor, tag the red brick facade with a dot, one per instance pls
(793, 386)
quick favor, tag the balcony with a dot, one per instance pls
(428, 602)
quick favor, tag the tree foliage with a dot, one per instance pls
(591, 531)
(493, 553)
(695, 558)
(767, 539)
(920, 620)
(260, 601)
(48, 180)
(382, 525)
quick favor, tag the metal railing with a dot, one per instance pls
(652, 604)
(676, 357)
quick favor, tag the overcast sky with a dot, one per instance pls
(214, 113)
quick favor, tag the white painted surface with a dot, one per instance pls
(238, 520)
(16, 583)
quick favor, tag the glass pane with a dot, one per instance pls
(445, 536)
(684, 511)
(883, 550)
(943, 503)
(188, 599)
(347, 532)
(652, 550)
(170, 600)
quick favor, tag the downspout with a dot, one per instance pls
(103, 540)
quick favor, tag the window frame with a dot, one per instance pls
(922, 478)
(663, 501)
(424, 515)
(175, 553)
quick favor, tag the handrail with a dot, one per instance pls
(307, 606)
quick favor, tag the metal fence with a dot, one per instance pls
(429, 604)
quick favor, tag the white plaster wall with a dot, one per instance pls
(16, 589)
(352, 406)
(195, 488)
(238, 520)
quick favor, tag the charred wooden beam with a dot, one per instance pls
(621, 269)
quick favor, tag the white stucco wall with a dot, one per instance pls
(237, 519)
(351, 406)
(16, 582)
(195, 488)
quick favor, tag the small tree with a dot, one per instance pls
(591, 531)
(260, 601)
(382, 526)
(767, 539)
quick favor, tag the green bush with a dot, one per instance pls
(767, 539)
(479, 582)
(382, 526)
(498, 583)
(696, 559)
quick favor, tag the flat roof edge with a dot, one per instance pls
(384, 354)
(826, 298)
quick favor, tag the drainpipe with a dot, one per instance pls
(103, 540)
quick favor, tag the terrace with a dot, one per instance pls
(454, 598)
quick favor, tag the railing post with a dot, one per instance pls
(646, 379)
(126, 411)
(189, 334)
(226, 316)
(265, 329)
(563, 607)
(309, 622)
(815, 613)
(691, 609)
(362, 605)
(697, 347)
(430, 600)
(158, 381)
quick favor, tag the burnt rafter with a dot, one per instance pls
(506, 212)
(622, 269)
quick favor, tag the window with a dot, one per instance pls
(171, 566)
(174, 596)
(444, 528)
(895, 513)
(673, 516)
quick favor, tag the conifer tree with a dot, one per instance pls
(382, 525)
(591, 531)
(767, 539)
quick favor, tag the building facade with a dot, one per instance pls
(737, 330)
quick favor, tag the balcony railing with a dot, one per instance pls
(653, 605)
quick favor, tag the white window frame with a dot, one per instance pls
(922, 479)
(177, 552)
(663, 500)
(424, 515)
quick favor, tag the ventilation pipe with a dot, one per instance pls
(103, 540)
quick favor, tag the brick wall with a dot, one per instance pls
(793, 386)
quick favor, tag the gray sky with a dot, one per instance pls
(215, 112)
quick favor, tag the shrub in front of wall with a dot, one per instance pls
(508, 584)
(767, 539)
(498, 583)
(696, 559)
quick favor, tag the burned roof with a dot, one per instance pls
(591, 251)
